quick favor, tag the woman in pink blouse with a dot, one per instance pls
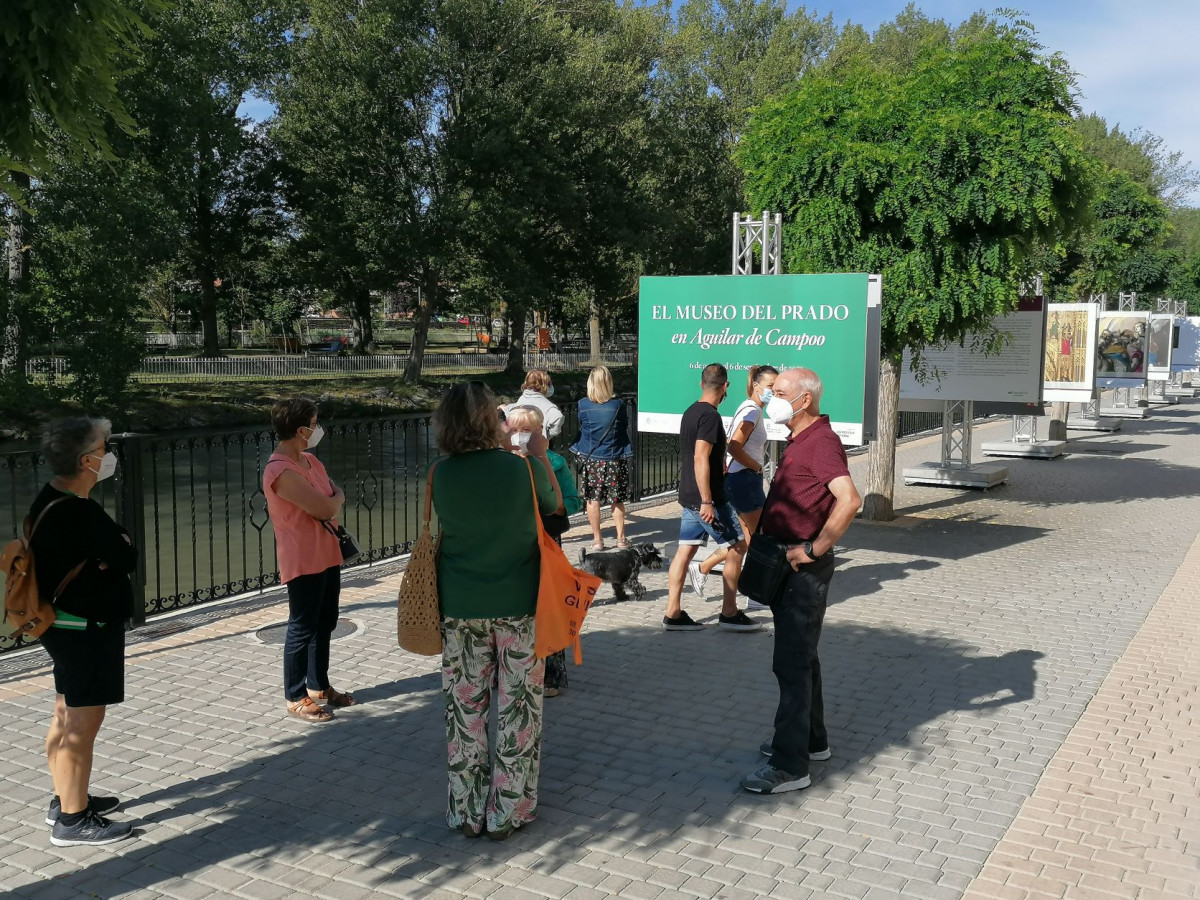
(300, 499)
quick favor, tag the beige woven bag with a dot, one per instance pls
(418, 622)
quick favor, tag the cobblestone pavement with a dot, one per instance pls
(1010, 684)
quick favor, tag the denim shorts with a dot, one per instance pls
(744, 488)
(724, 530)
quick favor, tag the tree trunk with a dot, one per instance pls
(516, 346)
(206, 268)
(881, 463)
(425, 302)
(361, 326)
(12, 348)
(594, 329)
(208, 310)
(1058, 421)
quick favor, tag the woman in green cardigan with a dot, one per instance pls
(488, 574)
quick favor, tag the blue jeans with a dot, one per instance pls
(744, 488)
(725, 529)
(313, 614)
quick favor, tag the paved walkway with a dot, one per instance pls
(1010, 685)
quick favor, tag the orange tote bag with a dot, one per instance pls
(565, 594)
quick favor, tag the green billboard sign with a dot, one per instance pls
(827, 323)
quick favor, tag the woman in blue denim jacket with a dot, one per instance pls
(604, 450)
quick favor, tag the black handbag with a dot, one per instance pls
(556, 524)
(346, 542)
(765, 568)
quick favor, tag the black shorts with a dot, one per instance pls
(89, 664)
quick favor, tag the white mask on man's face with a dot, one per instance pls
(779, 411)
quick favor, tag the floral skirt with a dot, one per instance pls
(486, 661)
(606, 480)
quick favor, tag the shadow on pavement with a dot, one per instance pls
(972, 535)
(652, 736)
(853, 582)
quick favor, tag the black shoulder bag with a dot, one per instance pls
(766, 564)
(346, 543)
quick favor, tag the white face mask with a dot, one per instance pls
(315, 438)
(549, 392)
(779, 411)
(520, 439)
(108, 466)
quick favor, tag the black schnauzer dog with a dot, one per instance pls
(620, 568)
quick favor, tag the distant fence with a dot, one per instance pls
(183, 369)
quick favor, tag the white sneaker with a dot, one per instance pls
(755, 606)
(697, 577)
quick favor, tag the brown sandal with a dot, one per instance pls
(333, 697)
(306, 709)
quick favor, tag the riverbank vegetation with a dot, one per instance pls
(153, 408)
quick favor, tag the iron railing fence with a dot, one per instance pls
(195, 506)
(184, 369)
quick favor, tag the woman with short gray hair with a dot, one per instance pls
(83, 563)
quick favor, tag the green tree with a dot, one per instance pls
(58, 93)
(214, 172)
(100, 232)
(942, 177)
(63, 61)
(545, 140)
(1142, 156)
(355, 126)
(1122, 249)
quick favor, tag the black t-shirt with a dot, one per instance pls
(701, 422)
(79, 530)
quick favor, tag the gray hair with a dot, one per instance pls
(804, 380)
(64, 441)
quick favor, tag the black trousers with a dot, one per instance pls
(799, 612)
(313, 614)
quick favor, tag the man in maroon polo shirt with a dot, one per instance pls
(810, 505)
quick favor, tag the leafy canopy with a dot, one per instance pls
(942, 175)
(63, 60)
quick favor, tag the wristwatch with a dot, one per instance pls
(808, 548)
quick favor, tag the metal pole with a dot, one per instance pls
(131, 514)
(737, 242)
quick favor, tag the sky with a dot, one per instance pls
(1137, 60)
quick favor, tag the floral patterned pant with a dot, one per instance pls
(480, 656)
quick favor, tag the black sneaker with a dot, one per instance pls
(682, 622)
(774, 781)
(91, 829)
(99, 805)
(766, 749)
(739, 621)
